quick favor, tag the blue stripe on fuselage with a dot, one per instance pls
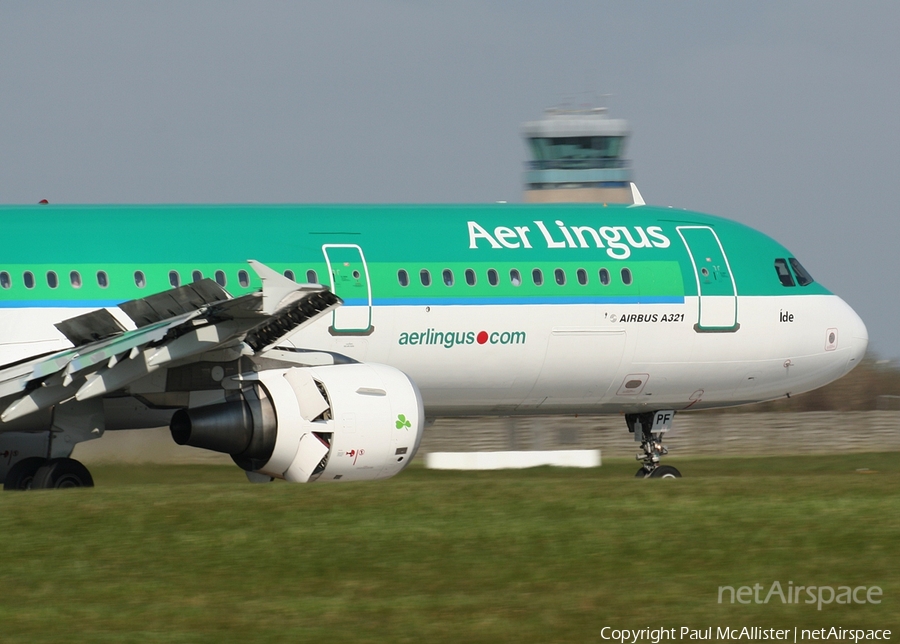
(397, 301)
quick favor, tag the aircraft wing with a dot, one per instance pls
(173, 326)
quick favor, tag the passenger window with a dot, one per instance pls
(403, 277)
(425, 277)
(581, 274)
(560, 276)
(311, 277)
(5, 280)
(288, 273)
(470, 277)
(448, 277)
(784, 273)
(243, 278)
(803, 278)
(604, 277)
(102, 279)
(196, 276)
(52, 279)
(221, 279)
(515, 277)
(28, 278)
(174, 279)
(537, 276)
(626, 276)
(139, 279)
(75, 279)
(493, 277)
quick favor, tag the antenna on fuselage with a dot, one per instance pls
(636, 195)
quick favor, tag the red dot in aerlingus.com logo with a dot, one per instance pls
(482, 337)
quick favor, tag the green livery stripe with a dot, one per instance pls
(157, 239)
(659, 279)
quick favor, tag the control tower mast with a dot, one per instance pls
(577, 156)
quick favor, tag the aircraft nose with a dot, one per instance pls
(858, 336)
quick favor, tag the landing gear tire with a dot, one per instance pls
(62, 473)
(665, 472)
(21, 475)
(652, 449)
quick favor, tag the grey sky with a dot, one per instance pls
(781, 115)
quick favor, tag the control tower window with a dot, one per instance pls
(784, 273)
(803, 278)
(576, 151)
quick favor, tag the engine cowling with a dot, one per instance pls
(345, 422)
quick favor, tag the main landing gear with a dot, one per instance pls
(36, 473)
(643, 426)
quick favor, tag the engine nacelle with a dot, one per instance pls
(346, 422)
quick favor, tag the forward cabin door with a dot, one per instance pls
(349, 277)
(718, 308)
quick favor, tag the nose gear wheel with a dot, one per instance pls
(652, 449)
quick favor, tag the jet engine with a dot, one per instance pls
(345, 422)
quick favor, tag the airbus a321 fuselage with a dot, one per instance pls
(322, 357)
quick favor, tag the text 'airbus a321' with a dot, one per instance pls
(312, 342)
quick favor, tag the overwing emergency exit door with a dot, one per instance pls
(716, 290)
(349, 277)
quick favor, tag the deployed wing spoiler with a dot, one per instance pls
(174, 325)
(168, 304)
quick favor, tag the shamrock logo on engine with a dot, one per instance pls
(402, 422)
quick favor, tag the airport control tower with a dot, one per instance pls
(577, 156)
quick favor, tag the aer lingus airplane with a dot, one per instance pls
(312, 342)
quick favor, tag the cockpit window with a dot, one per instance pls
(803, 277)
(784, 273)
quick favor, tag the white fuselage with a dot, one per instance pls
(539, 359)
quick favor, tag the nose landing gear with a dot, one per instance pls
(642, 426)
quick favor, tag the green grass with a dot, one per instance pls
(193, 553)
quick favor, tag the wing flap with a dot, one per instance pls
(175, 326)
